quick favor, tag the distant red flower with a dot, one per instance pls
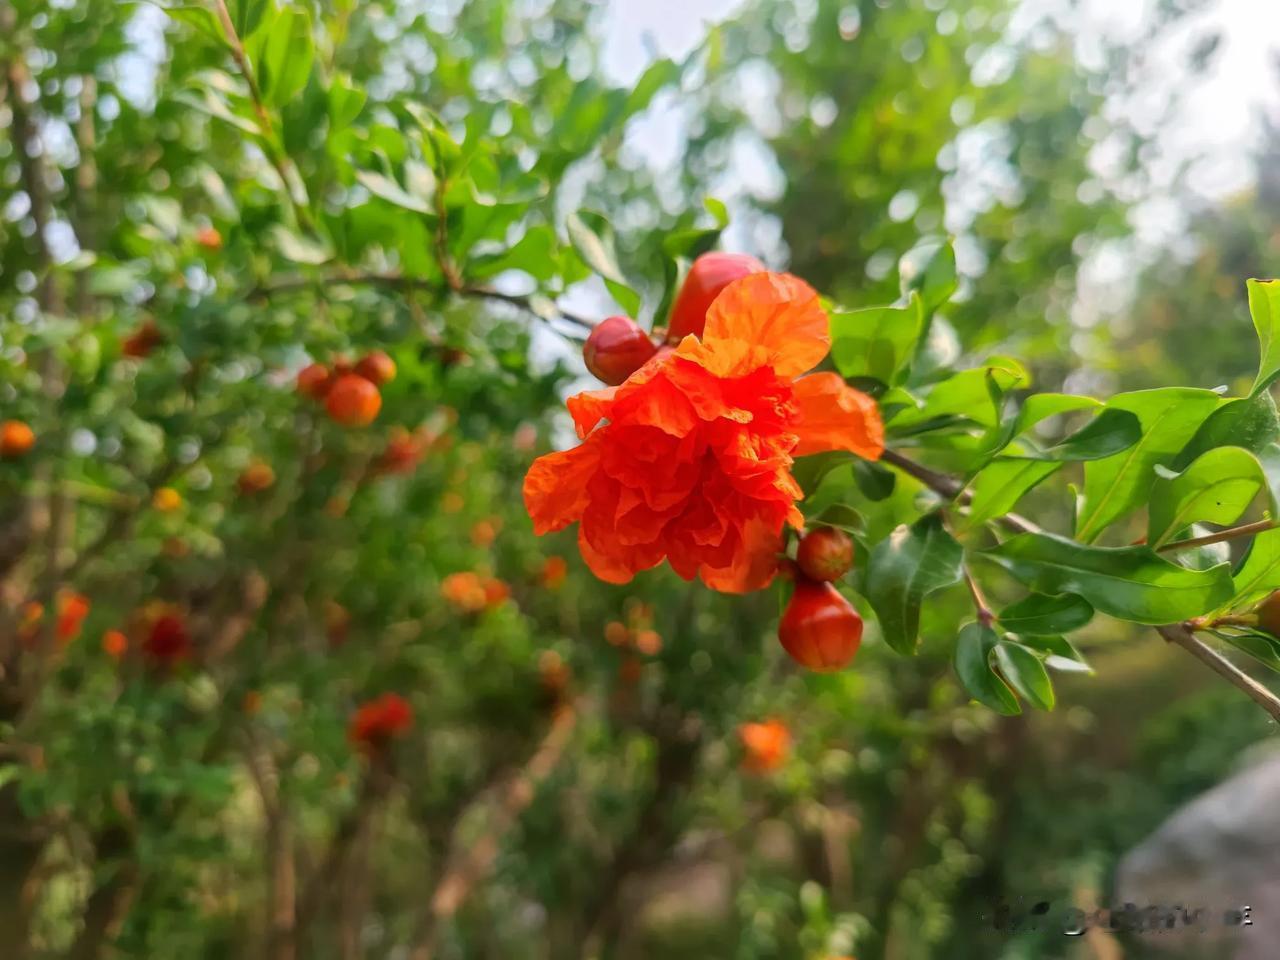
(72, 609)
(378, 720)
(168, 642)
(690, 459)
(115, 644)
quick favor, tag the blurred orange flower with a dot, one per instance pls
(690, 459)
(115, 644)
(767, 745)
(470, 592)
(554, 571)
(484, 532)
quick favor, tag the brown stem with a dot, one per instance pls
(1183, 637)
(985, 616)
(1219, 536)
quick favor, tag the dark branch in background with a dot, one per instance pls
(1176, 633)
(466, 866)
(397, 282)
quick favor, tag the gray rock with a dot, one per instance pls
(1219, 855)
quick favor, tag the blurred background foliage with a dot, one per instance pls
(568, 788)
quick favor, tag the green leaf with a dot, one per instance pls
(1264, 307)
(1259, 574)
(298, 248)
(875, 482)
(1217, 488)
(594, 244)
(718, 210)
(1261, 646)
(287, 52)
(246, 15)
(1000, 485)
(1025, 673)
(903, 569)
(537, 253)
(876, 342)
(1130, 583)
(1106, 434)
(929, 269)
(1060, 654)
(1040, 615)
(1249, 422)
(1116, 485)
(973, 666)
(202, 18)
(390, 191)
(972, 394)
(345, 103)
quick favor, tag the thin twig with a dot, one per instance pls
(398, 282)
(985, 616)
(1220, 536)
(1183, 637)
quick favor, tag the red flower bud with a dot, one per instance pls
(710, 274)
(377, 368)
(825, 554)
(820, 629)
(616, 349)
(353, 401)
(314, 380)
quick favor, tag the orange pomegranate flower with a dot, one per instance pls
(766, 744)
(690, 459)
(72, 609)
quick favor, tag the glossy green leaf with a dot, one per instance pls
(1024, 671)
(1117, 485)
(1059, 652)
(387, 189)
(298, 248)
(1130, 583)
(903, 569)
(1261, 646)
(287, 53)
(201, 18)
(929, 269)
(1105, 435)
(246, 15)
(1259, 574)
(1264, 307)
(345, 103)
(1000, 485)
(1248, 422)
(969, 394)
(974, 647)
(1041, 615)
(1217, 488)
(876, 342)
(594, 243)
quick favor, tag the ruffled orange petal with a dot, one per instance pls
(777, 315)
(555, 488)
(590, 407)
(835, 416)
(754, 564)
